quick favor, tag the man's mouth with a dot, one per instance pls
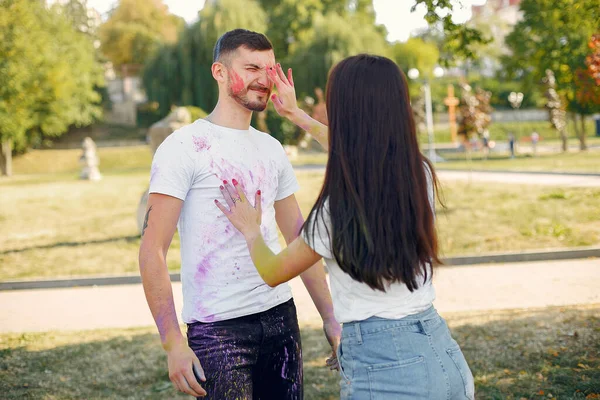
(260, 90)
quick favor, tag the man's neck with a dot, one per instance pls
(230, 115)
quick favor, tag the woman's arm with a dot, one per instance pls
(286, 105)
(273, 268)
(278, 268)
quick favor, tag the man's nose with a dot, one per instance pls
(264, 79)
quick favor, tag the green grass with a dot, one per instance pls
(514, 354)
(58, 226)
(500, 130)
(583, 162)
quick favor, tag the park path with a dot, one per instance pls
(462, 288)
(523, 178)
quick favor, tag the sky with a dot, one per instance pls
(394, 14)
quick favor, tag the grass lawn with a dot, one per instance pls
(551, 353)
(53, 225)
(586, 162)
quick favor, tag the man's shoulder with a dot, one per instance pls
(266, 138)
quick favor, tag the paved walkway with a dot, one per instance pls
(526, 178)
(465, 288)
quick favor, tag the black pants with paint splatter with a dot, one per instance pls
(255, 357)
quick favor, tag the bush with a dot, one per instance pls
(147, 114)
(196, 112)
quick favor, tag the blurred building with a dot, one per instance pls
(506, 10)
(496, 19)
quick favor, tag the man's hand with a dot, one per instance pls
(182, 362)
(333, 333)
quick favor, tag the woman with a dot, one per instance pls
(373, 223)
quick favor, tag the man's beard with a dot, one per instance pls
(242, 98)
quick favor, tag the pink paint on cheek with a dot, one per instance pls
(237, 83)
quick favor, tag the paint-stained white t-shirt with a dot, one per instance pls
(356, 301)
(218, 277)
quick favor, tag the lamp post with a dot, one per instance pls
(516, 99)
(414, 74)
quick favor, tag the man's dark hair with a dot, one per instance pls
(232, 40)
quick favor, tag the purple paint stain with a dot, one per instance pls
(154, 172)
(285, 362)
(161, 322)
(201, 143)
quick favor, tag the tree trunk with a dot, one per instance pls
(582, 143)
(575, 125)
(6, 158)
(564, 139)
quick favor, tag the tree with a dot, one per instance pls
(136, 29)
(460, 41)
(47, 76)
(332, 39)
(593, 59)
(475, 112)
(553, 35)
(555, 108)
(180, 74)
(416, 53)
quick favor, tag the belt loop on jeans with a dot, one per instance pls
(423, 327)
(358, 334)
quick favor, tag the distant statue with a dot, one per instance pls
(89, 161)
(319, 111)
(158, 132)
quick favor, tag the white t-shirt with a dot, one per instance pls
(218, 277)
(356, 301)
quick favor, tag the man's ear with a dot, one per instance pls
(219, 72)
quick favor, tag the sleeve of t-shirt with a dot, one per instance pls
(287, 183)
(172, 170)
(430, 191)
(316, 233)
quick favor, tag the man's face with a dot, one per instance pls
(247, 81)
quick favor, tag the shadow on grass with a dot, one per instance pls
(128, 239)
(513, 355)
(130, 364)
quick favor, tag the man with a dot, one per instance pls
(243, 339)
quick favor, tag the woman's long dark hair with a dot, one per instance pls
(382, 223)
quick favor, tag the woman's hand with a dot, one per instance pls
(241, 213)
(285, 100)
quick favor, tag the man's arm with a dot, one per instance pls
(159, 227)
(289, 219)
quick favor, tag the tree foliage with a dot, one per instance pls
(459, 41)
(48, 73)
(416, 53)
(179, 74)
(553, 35)
(136, 29)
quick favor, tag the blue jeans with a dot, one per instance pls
(256, 357)
(409, 358)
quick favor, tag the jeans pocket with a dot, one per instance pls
(404, 379)
(457, 356)
(343, 363)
